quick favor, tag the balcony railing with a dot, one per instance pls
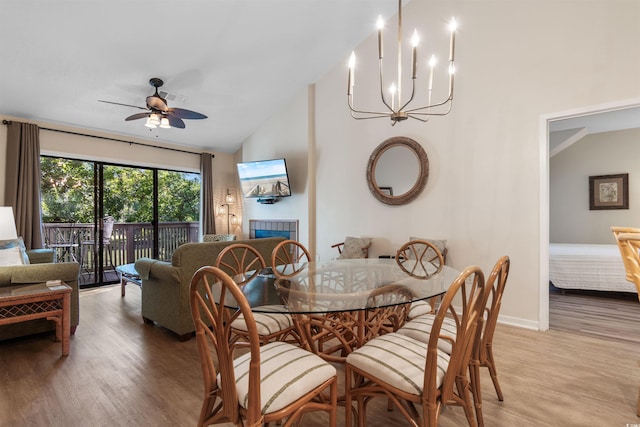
(129, 241)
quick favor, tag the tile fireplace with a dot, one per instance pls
(287, 228)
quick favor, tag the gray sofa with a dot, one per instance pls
(40, 269)
(165, 285)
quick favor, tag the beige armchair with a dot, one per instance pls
(165, 285)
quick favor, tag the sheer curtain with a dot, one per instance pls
(208, 206)
(22, 181)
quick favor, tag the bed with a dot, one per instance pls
(587, 267)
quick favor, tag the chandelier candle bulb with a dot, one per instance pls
(432, 65)
(414, 41)
(352, 66)
(380, 25)
(452, 43)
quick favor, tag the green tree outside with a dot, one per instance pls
(67, 193)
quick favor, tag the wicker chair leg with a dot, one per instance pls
(474, 374)
(491, 364)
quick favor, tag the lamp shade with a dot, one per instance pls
(7, 224)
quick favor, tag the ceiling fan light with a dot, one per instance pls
(150, 123)
(154, 119)
(164, 123)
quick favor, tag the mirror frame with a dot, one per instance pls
(420, 182)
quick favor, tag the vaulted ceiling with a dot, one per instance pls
(236, 61)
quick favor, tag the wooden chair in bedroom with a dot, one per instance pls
(629, 244)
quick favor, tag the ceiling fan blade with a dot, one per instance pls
(175, 122)
(181, 113)
(125, 105)
(137, 116)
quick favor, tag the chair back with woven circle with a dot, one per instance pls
(210, 288)
(469, 293)
(628, 240)
(240, 261)
(420, 259)
(288, 258)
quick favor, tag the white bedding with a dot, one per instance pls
(588, 267)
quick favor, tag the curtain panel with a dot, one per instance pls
(22, 181)
(208, 206)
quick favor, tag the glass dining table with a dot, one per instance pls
(339, 305)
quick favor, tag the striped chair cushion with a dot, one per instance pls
(420, 329)
(398, 360)
(287, 372)
(419, 308)
(267, 323)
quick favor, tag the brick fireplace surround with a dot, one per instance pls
(287, 228)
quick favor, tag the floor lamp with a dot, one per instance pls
(231, 218)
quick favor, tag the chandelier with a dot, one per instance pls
(396, 108)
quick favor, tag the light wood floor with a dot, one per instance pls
(613, 315)
(122, 372)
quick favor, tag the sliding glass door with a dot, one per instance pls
(104, 215)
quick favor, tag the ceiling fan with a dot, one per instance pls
(158, 113)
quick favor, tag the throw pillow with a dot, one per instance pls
(10, 256)
(353, 247)
(16, 243)
(207, 238)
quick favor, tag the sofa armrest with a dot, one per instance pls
(37, 273)
(41, 256)
(160, 270)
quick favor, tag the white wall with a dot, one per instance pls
(283, 136)
(606, 153)
(516, 63)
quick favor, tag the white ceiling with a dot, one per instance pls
(600, 122)
(566, 132)
(236, 61)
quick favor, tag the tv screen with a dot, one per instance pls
(264, 179)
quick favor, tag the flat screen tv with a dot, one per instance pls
(265, 180)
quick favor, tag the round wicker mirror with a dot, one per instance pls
(397, 171)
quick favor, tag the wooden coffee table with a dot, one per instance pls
(51, 301)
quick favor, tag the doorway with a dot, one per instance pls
(614, 116)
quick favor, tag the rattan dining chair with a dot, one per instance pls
(421, 259)
(419, 379)
(628, 240)
(244, 263)
(274, 382)
(288, 258)
(482, 355)
(326, 334)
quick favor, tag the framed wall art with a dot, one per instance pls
(609, 192)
